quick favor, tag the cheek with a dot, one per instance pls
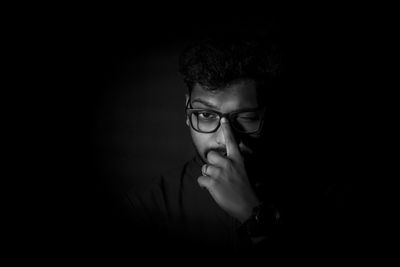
(199, 140)
(249, 146)
(245, 150)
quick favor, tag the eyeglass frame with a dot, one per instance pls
(228, 116)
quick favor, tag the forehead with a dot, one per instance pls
(237, 95)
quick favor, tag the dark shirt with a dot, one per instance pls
(177, 212)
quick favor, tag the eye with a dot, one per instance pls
(248, 117)
(204, 115)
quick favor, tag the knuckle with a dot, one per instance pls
(216, 172)
(212, 182)
(204, 182)
(226, 164)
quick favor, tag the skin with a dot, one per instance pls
(224, 152)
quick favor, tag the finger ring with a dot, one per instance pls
(204, 170)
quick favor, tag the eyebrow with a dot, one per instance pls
(215, 107)
(205, 103)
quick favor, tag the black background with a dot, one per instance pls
(95, 73)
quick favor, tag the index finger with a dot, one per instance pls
(232, 147)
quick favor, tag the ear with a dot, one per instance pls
(186, 103)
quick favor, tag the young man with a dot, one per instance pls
(218, 199)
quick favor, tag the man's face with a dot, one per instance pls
(237, 96)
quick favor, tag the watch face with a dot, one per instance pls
(264, 218)
(251, 226)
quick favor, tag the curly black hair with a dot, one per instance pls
(215, 62)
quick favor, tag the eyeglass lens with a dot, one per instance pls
(207, 121)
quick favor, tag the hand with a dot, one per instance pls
(226, 179)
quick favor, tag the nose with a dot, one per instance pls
(220, 139)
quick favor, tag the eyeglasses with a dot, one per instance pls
(248, 121)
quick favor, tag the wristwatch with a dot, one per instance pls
(263, 219)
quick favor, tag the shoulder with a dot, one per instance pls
(161, 189)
